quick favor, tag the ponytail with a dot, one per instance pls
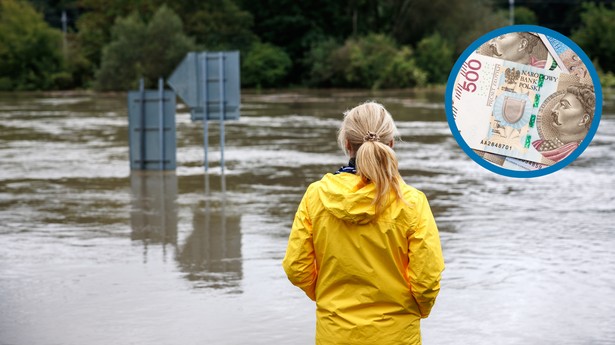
(377, 163)
(370, 131)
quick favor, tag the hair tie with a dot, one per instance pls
(371, 136)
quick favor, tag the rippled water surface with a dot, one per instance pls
(92, 254)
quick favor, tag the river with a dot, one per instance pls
(92, 254)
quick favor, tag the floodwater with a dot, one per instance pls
(92, 254)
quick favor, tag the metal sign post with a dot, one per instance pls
(222, 100)
(208, 82)
(143, 125)
(161, 121)
(203, 98)
(205, 82)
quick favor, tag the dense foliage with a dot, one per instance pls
(30, 55)
(265, 65)
(434, 55)
(131, 53)
(597, 34)
(110, 44)
(373, 60)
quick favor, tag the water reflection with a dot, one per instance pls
(211, 255)
(153, 217)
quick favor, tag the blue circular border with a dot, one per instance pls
(448, 102)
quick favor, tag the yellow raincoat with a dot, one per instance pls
(373, 279)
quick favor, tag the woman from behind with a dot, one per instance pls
(364, 245)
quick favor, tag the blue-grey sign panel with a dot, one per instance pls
(197, 81)
(184, 80)
(152, 141)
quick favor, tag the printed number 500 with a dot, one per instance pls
(471, 76)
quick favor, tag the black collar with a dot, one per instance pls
(350, 168)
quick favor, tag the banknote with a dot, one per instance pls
(521, 111)
(509, 162)
(491, 157)
(549, 45)
(521, 47)
(566, 58)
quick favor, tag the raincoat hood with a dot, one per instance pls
(348, 197)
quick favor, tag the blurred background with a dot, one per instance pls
(94, 253)
(109, 45)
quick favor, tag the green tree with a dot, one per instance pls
(167, 44)
(215, 24)
(318, 63)
(142, 50)
(596, 34)
(296, 26)
(402, 72)
(94, 25)
(78, 68)
(524, 15)
(30, 51)
(460, 22)
(122, 59)
(361, 61)
(265, 65)
(372, 61)
(434, 55)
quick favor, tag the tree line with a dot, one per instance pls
(110, 44)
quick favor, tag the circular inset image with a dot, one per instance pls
(523, 101)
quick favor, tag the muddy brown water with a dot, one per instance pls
(91, 253)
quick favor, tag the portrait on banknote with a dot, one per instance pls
(564, 120)
(523, 101)
(520, 47)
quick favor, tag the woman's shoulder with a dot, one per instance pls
(412, 194)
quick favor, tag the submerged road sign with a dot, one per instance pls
(208, 82)
(151, 124)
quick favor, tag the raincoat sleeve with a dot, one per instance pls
(425, 258)
(300, 261)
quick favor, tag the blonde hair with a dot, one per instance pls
(369, 130)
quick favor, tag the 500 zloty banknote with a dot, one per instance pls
(521, 111)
